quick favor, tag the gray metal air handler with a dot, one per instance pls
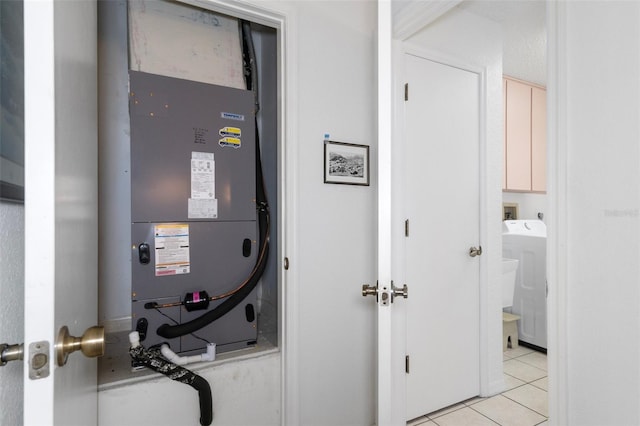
(193, 208)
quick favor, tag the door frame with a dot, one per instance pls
(415, 16)
(557, 220)
(406, 22)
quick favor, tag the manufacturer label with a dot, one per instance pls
(203, 172)
(203, 203)
(232, 116)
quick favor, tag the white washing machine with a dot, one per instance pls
(526, 240)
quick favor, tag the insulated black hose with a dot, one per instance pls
(171, 331)
(153, 359)
(250, 52)
(204, 397)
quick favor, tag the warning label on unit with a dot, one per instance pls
(172, 249)
(203, 203)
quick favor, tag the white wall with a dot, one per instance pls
(336, 223)
(330, 88)
(476, 41)
(596, 206)
(243, 392)
(11, 308)
(529, 205)
(525, 36)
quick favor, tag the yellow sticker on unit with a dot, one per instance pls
(233, 142)
(233, 132)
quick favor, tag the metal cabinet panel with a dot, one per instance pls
(170, 120)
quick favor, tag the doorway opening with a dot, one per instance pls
(527, 66)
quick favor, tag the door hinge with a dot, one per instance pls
(406, 91)
(406, 364)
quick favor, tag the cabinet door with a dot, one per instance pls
(504, 134)
(518, 131)
(538, 139)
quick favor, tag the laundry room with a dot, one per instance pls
(524, 177)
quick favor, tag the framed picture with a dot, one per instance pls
(346, 163)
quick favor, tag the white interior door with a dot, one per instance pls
(442, 202)
(60, 206)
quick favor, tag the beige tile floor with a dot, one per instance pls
(523, 403)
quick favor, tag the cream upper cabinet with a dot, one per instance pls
(538, 139)
(525, 137)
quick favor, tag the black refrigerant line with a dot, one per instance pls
(242, 291)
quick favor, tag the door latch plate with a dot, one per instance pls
(38, 360)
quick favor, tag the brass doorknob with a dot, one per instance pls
(91, 343)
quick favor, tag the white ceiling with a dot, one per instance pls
(525, 35)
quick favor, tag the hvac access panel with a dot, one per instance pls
(193, 206)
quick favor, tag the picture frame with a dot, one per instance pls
(346, 163)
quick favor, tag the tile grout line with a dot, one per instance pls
(538, 386)
(484, 415)
(466, 406)
(524, 355)
(517, 387)
(525, 382)
(529, 408)
(449, 412)
(525, 363)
